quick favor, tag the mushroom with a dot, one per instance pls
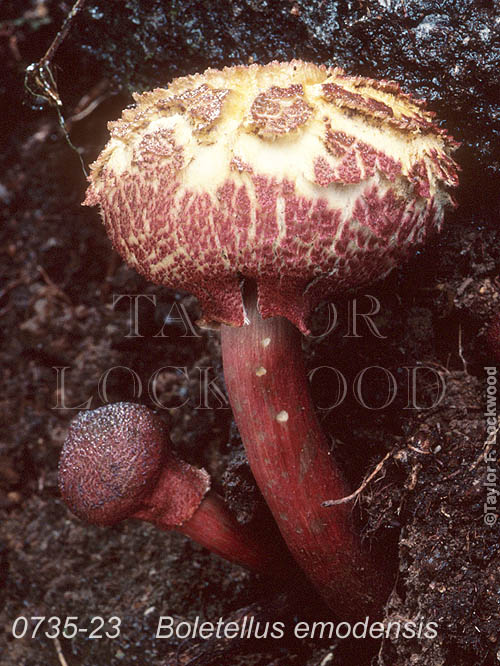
(117, 462)
(301, 181)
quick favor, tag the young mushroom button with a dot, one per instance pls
(117, 462)
(305, 182)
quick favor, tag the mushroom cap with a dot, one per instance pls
(111, 459)
(298, 176)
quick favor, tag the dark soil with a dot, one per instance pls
(423, 510)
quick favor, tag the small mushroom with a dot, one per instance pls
(304, 182)
(117, 462)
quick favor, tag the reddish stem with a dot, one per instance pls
(214, 527)
(291, 461)
(176, 495)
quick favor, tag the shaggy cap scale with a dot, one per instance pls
(305, 179)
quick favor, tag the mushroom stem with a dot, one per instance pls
(214, 527)
(290, 458)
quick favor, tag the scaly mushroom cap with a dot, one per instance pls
(305, 179)
(112, 461)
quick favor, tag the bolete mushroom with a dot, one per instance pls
(307, 182)
(117, 462)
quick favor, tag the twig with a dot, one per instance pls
(56, 288)
(460, 348)
(490, 440)
(42, 67)
(8, 288)
(59, 652)
(348, 498)
(44, 83)
(89, 102)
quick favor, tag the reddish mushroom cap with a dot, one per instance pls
(298, 176)
(112, 462)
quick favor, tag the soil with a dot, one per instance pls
(62, 329)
